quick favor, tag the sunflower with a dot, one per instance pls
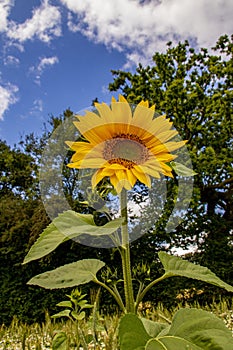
(124, 144)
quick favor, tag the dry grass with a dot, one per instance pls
(19, 336)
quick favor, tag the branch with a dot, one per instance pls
(222, 184)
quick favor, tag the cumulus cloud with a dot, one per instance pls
(143, 27)
(44, 63)
(44, 24)
(7, 97)
(5, 7)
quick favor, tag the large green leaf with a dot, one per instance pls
(66, 226)
(175, 266)
(190, 329)
(170, 343)
(70, 275)
(202, 328)
(132, 334)
(153, 328)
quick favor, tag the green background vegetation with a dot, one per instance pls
(195, 90)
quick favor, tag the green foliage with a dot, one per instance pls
(194, 89)
(70, 275)
(75, 312)
(60, 341)
(42, 335)
(68, 225)
(190, 329)
(175, 266)
(16, 171)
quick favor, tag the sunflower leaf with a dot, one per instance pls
(175, 266)
(70, 275)
(190, 329)
(67, 225)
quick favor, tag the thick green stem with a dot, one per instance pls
(125, 256)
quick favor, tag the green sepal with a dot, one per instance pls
(181, 170)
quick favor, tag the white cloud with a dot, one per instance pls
(47, 61)
(44, 63)
(7, 97)
(11, 60)
(143, 28)
(44, 24)
(37, 107)
(5, 7)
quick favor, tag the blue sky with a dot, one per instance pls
(56, 54)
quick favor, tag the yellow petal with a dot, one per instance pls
(105, 113)
(131, 177)
(166, 135)
(96, 178)
(141, 176)
(143, 116)
(77, 146)
(121, 98)
(122, 114)
(172, 146)
(144, 103)
(116, 183)
(88, 163)
(159, 125)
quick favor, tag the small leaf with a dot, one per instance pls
(68, 225)
(87, 306)
(78, 317)
(59, 341)
(175, 266)
(70, 275)
(64, 313)
(65, 303)
(182, 170)
(82, 302)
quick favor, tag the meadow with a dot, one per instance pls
(100, 331)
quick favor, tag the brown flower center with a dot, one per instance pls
(125, 149)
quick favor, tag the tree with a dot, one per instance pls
(195, 90)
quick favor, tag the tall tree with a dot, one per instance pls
(195, 90)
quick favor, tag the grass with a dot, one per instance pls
(19, 336)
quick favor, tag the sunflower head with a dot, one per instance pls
(124, 144)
